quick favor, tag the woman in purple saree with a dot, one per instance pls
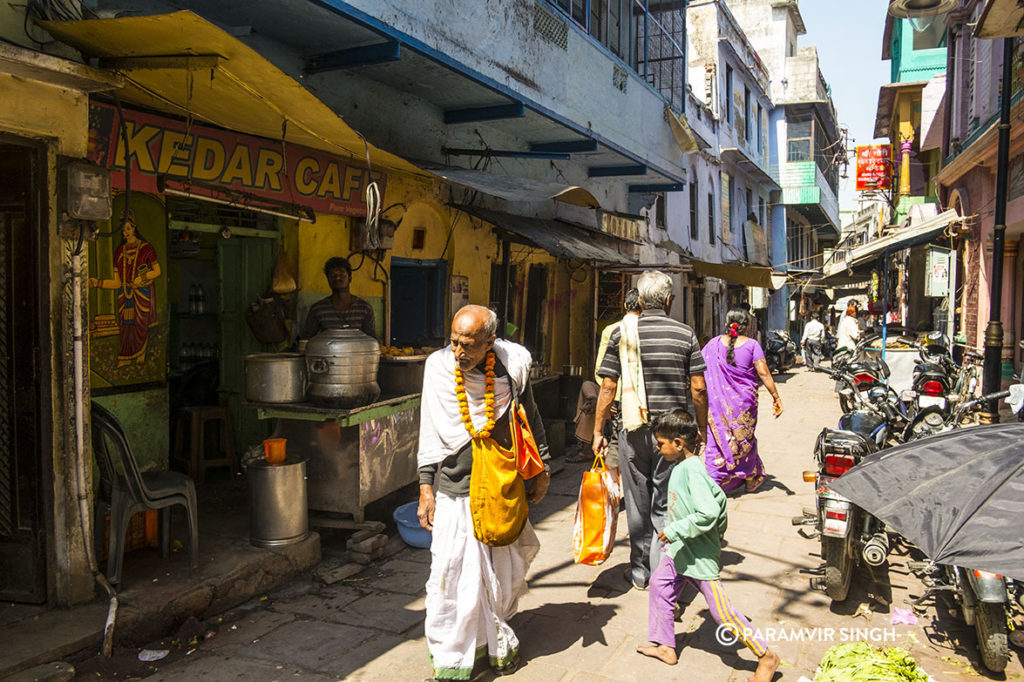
(734, 364)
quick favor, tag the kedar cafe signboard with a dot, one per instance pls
(874, 167)
(214, 158)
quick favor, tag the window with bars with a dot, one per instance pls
(650, 36)
(799, 135)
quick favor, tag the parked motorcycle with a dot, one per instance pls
(931, 396)
(867, 373)
(984, 599)
(848, 534)
(779, 351)
(828, 346)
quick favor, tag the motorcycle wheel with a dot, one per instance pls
(990, 625)
(845, 404)
(838, 568)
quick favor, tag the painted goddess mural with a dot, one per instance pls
(135, 268)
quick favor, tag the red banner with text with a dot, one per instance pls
(212, 159)
(874, 167)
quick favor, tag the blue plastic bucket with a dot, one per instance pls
(409, 526)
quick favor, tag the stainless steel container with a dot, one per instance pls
(342, 368)
(401, 374)
(278, 508)
(275, 377)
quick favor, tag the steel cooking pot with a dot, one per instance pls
(342, 368)
(275, 378)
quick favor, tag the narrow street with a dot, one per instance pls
(582, 623)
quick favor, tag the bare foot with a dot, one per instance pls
(766, 667)
(662, 653)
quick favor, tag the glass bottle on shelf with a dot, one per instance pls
(193, 298)
(200, 300)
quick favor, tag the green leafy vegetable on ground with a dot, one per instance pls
(861, 662)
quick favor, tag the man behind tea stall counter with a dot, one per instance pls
(341, 309)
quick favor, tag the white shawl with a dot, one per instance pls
(442, 432)
(633, 401)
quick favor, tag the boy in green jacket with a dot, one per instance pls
(692, 536)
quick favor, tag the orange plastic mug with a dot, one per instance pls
(273, 449)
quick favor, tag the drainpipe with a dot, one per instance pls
(992, 372)
(81, 461)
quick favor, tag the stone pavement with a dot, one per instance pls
(582, 623)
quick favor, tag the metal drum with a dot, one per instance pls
(342, 368)
(275, 377)
(278, 511)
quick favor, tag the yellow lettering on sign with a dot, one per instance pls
(353, 181)
(209, 163)
(330, 183)
(138, 146)
(239, 167)
(174, 148)
(305, 175)
(268, 170)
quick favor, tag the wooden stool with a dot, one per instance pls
(198, 461)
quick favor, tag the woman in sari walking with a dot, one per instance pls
(735, 362)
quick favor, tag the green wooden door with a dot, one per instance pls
(245, 265)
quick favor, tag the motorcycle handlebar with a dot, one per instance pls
(971, 404)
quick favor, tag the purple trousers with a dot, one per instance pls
(666, 587)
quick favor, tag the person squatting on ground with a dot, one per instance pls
(474, 588)
(734, 364)
(659, 367)
(692, 536)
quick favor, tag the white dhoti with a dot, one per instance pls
(472, 592)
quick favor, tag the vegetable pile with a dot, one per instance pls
(861, 662)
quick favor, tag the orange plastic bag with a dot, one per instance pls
(593, 534)
(528, 460)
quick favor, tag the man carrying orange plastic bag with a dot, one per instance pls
(482, 543)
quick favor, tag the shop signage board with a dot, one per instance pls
(936, 281)
(183, 151)
(874, 167)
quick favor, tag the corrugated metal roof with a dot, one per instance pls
(557, 237)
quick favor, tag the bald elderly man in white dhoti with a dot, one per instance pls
(470, 390)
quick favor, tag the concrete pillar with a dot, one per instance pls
(906, 137)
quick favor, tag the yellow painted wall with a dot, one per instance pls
(34, 109)
(468, 244)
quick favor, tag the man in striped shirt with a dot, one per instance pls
(672, 376)
(341, 309)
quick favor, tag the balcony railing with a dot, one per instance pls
(660, 55)
(651, 40)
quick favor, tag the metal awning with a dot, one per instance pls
(905, 238)
(557, 237)
(748, 275)
(182, 64)
(1001, 19)
(516, 188)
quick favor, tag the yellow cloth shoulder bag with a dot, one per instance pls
(497, 494)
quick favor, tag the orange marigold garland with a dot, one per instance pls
(460, 394)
